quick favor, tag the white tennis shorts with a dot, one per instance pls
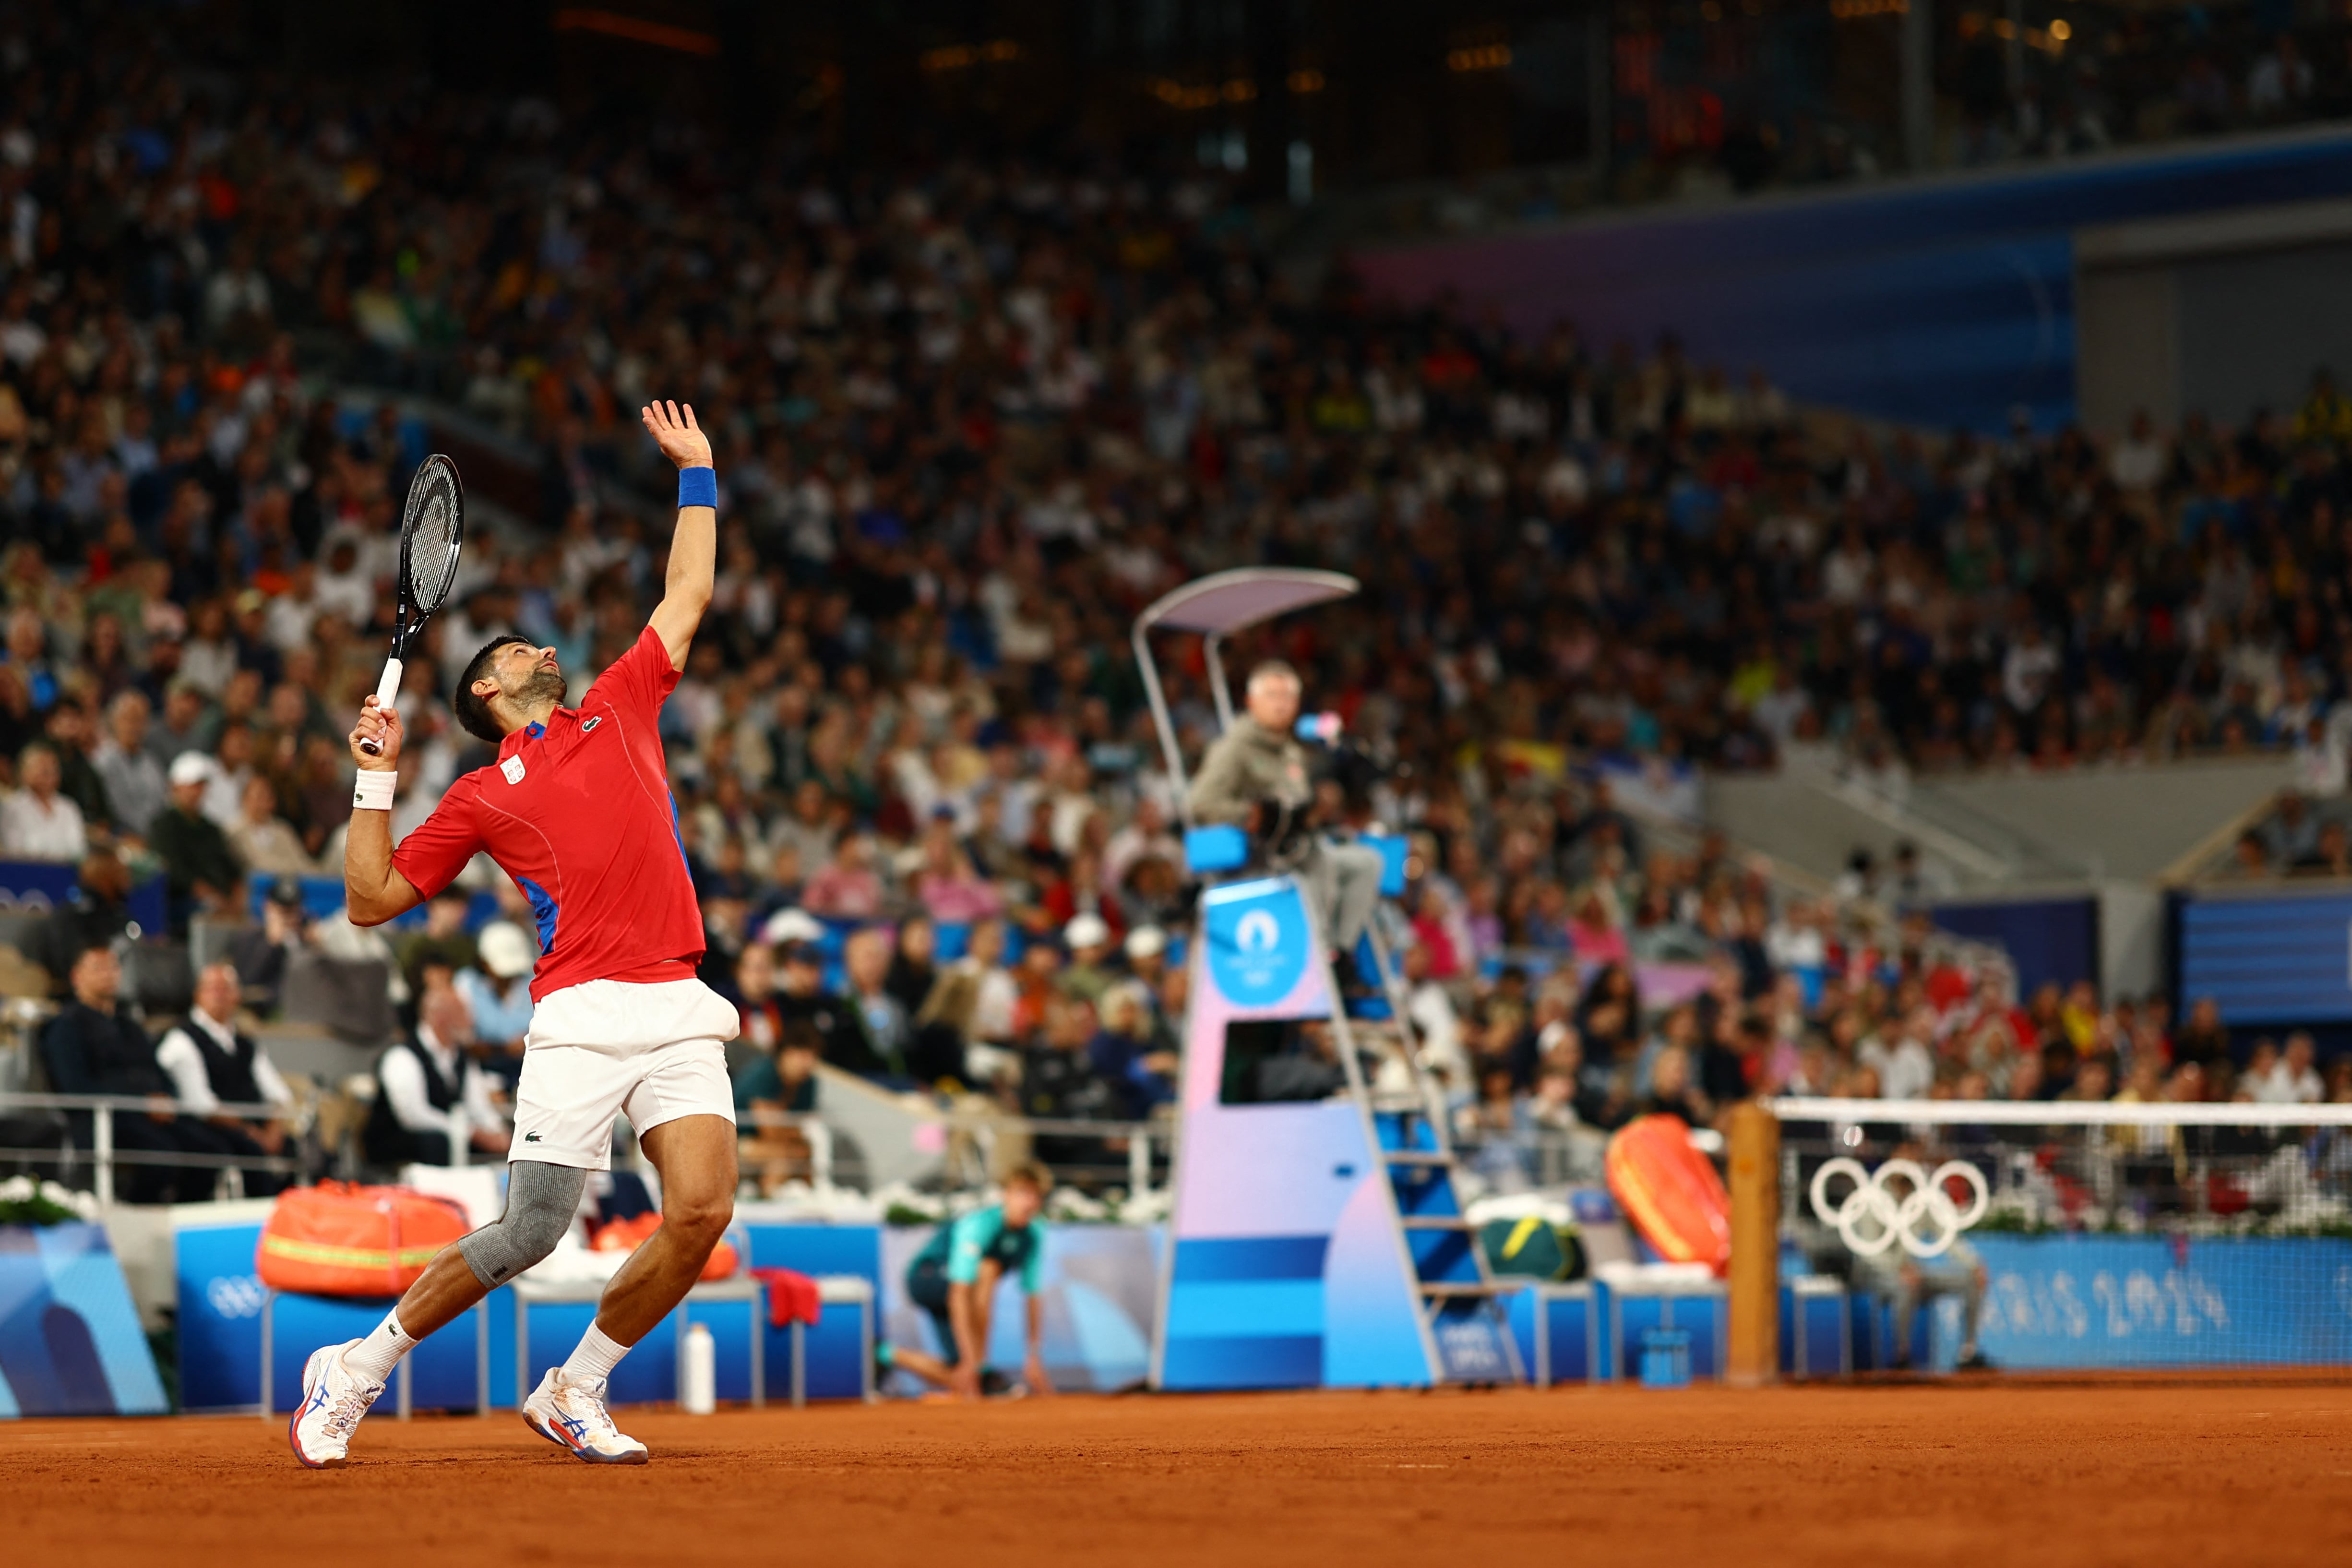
(604, 1046)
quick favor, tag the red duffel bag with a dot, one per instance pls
(1671, 1192)
(338, 1238)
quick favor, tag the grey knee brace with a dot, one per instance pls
(541, 1202)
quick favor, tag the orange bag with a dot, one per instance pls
(624, 1235)
(338, 1238)
(629, 1235)
(1671, 1192)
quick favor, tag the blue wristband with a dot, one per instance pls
(698, 486)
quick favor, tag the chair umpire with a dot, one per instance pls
(1255, 777)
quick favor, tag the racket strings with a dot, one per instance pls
(431, 528)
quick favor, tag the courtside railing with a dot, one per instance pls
(94, 1145)
(102, 1152)
(970, 1143)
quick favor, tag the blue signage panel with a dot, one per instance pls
(2150, 1302)
(71, 1343)
(2283, 958)
(1258, 940)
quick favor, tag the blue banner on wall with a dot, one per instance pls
(2050, 940)
(1935, 301)
(2275, 959)
(44, 885)
(70, 1342)
(2116, 1301)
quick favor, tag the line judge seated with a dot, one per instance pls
(1255, 777)
(212, 1063)
(430, 1088)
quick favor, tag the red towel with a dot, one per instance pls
(791, 1295)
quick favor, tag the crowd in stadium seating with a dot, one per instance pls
(967, 424)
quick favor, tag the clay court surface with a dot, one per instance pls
(1924, 1474)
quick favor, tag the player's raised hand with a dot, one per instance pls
(381, 725)
(680, 439)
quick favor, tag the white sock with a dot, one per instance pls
(597, 1356)
(374, 1357)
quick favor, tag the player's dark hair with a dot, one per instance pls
(472, 712)
(1031, 1176)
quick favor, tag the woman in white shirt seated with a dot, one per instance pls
(266, 841)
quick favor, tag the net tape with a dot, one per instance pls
(434, 517)
(2058, 1112)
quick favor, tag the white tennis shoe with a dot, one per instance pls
(334, 1397)
(573, 1413)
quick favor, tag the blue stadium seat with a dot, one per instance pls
(1394, 848)
(322, 896)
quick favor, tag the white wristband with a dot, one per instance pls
(373, 789)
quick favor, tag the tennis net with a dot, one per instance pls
(2104, 1235)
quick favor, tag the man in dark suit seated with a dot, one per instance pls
(95, 1047)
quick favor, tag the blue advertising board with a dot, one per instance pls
(41, 885)
(220, 1299)
(71, 1343)
(2146, 1302)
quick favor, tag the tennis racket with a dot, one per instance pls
(432, 531)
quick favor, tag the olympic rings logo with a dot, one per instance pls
(1873, 1217)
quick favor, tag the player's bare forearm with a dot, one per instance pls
(694, 547)
(373, 891)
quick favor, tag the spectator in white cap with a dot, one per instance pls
(786, 927)
(1089, 976)
(498, 992)
(1147, 960)
(200, 869)
(1147, 954)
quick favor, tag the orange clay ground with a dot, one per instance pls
(1981, 1474)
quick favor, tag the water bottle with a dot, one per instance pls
(698, 1380)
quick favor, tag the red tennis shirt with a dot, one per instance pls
(578, 812)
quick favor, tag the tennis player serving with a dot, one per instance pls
(578, 811)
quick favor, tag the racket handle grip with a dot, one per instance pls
(386, 688)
